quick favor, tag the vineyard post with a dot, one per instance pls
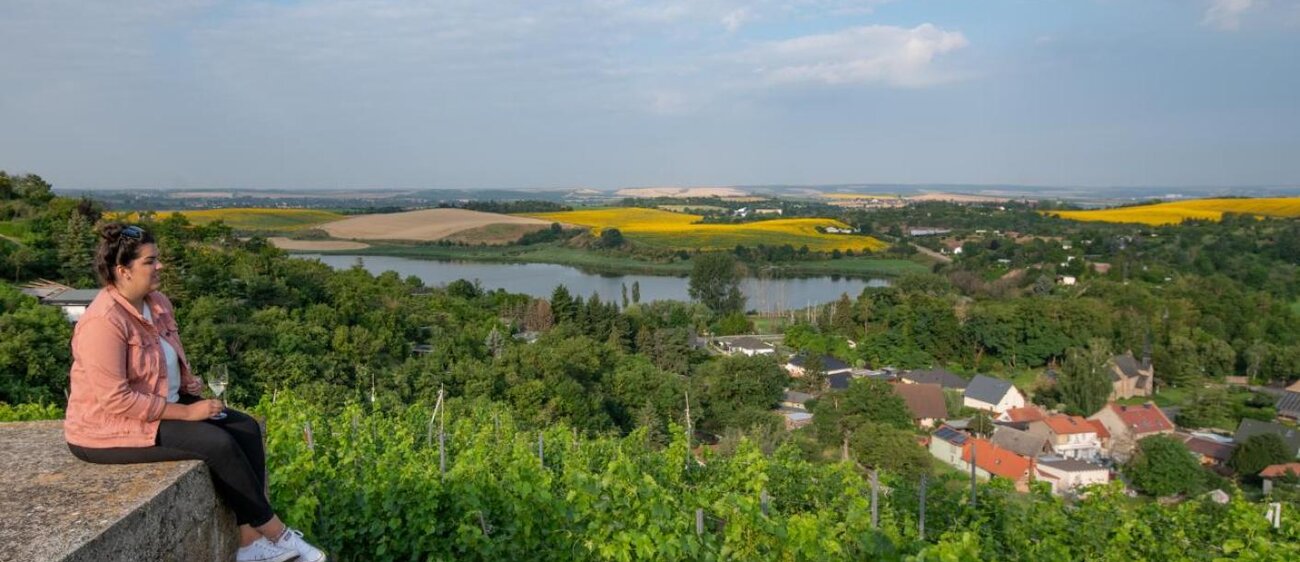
(541, 453)
(688, 427)
(875, 499)
(699, 521)
(924, 482)
(763, 500)
(844, 448)
(306, 431)
(973, 499)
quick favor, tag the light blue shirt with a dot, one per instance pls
(173, 364)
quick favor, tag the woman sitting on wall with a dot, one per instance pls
(134, 399)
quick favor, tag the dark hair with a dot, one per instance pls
(119, 244)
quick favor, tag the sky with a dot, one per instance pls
(455, 94)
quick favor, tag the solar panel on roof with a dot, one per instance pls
(950, 435)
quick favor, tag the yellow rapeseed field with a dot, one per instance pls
(282, 220)
(666, 229)
(1176, 211)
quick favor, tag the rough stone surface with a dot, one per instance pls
(56, 507)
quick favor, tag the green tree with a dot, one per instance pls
(610, 238)
(715, 282)
(734, 389)
(562, 305)
(1208, 407)
(887, 448)
(1083, 383)
(1162, 466)
(1258, 452)
(865, 401)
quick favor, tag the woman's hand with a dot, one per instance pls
(204, 409)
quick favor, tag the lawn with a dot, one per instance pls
(1295, 307)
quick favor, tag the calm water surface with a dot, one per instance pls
(540, 279)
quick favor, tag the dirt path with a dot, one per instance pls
(932, 253)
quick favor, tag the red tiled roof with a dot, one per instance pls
(1026, 414)
(1102, 432)
(1062, 424)
(1277, 470)
(1146, 418)
(996, 460)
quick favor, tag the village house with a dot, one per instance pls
(1129, 424)
(1025, 415)
(992, 395)
(942, 377)
(947, 444)
(925, 401)
(794, 409)
(1067, 476)
(1279, 471)
(1128, 378)
(830, 366)
(1019, 442)
(72, 302)
(746, 345)
(992, 460)
(1288, 405)
(1249, 428)
(1211, 450)
(1070, 437)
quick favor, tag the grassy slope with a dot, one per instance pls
(265, 220)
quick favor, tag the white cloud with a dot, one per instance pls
(1226, 14)
(735, 18)
(894, 56)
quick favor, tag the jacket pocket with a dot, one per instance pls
(141, 357)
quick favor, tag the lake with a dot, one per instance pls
(540, 279)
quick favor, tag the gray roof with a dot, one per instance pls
(748, 342)
(1069, 465)
(828, 363)
(941, 377)
(73, 297)
(1289, 405)
(796, 397)
(950, 435)
(1250, 428)
(839, 381)
(1126, 365)
(988, 389)
(1020, 442)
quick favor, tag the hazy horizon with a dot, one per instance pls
(605, 94)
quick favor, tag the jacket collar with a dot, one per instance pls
(126, 305)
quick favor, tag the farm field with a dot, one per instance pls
(665, 229)
(279, 220)
(1177, 211)
(315, 245)
(435, 224)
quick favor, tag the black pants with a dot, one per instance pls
(232, 449)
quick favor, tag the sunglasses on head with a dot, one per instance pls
(133, 232)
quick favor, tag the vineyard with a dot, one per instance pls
(1178, 211)
(473, 483)
(666, 229)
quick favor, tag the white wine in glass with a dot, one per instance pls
(217, 380)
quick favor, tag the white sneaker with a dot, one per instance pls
(292, 540)
(261, 550)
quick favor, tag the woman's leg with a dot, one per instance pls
(232, 474)
(248, 434)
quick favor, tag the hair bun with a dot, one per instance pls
(111, 231)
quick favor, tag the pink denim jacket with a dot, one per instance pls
(119, 372)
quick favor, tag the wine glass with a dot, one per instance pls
(217, 380)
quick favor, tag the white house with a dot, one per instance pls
(830, 366)
(992, 395)
(1071, 437)
(748, 346)
(1068, 475)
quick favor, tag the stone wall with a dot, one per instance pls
(54, 507)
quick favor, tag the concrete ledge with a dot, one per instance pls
(55, 507)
